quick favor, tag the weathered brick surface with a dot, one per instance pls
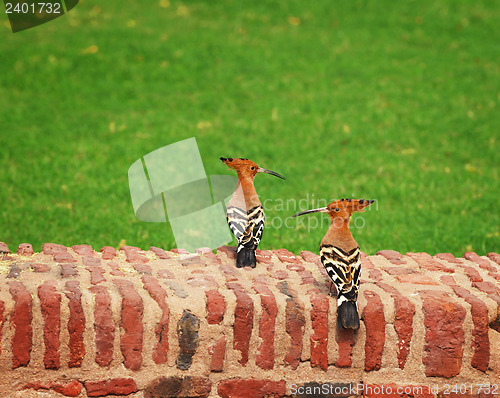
(21, 319)
(120, 386)
(104, 326)
(319, 339)
(444, 335)
(156, 323)
(50, 302)
(76, 324)
(253, 388)
(131, 323)
(373, 317)
(243, 321)
(265, 356)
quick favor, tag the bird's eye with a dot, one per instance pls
(252, 168)
(336, 209)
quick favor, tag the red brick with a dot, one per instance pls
(287, 257)
(4, 249)
(192, 260)
(472, 273)
(243, 321)
(319, 339)
(160, 296)
(400, 270)
(487, 287)
(482, 262)
(396, 391)
(40, 267)
(230, 272)
(210, 258)
(115, 269)
(160, 253)
(76, 324)
(426, 261)
(92, 265)
(180, 251)
(218, 351)
(448, 257)
(295, 323)
(416, 279)
(83, 250)
(375, 274)
(216, 307)
(403, 321)
(280, 274)
(264, 256)
(295, 267)
(307, 277)
(21, 319)
(70, 389)
(265, 356)
(68, 270)
(108, 253)
(134, 255)
(165, 274)
(64, 257)
(447, 280)
(310, 257)
(373, 317)
(103, 325)
(393, 256)
(25, 249)
(53, 248)
(345, 339)
(229, 250)
(251, 388)
(143, 268)
(444, 336)
(131, 323)
(110, 387)
(50, 302)
(202, 281)
(494, 257)
(96, 275)
(481, 342)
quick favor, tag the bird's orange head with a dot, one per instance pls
(342, 208)
(246, 168)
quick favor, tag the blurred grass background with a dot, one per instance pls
(376, 99)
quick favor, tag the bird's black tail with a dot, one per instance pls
(347, 314)
(246, 257)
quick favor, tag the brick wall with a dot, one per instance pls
(80, 323)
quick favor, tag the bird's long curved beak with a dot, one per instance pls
(261, 170)
(318, 210)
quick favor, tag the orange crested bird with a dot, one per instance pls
(340, 256)
(245, 214)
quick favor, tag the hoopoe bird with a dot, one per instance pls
(340, 256)
(244, 213)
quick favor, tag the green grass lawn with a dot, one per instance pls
(393, 101)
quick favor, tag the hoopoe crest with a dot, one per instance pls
(244, 213)
(340, 256)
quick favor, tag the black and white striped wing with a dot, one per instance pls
(247, 227)
(237, 220)
(343, 268)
